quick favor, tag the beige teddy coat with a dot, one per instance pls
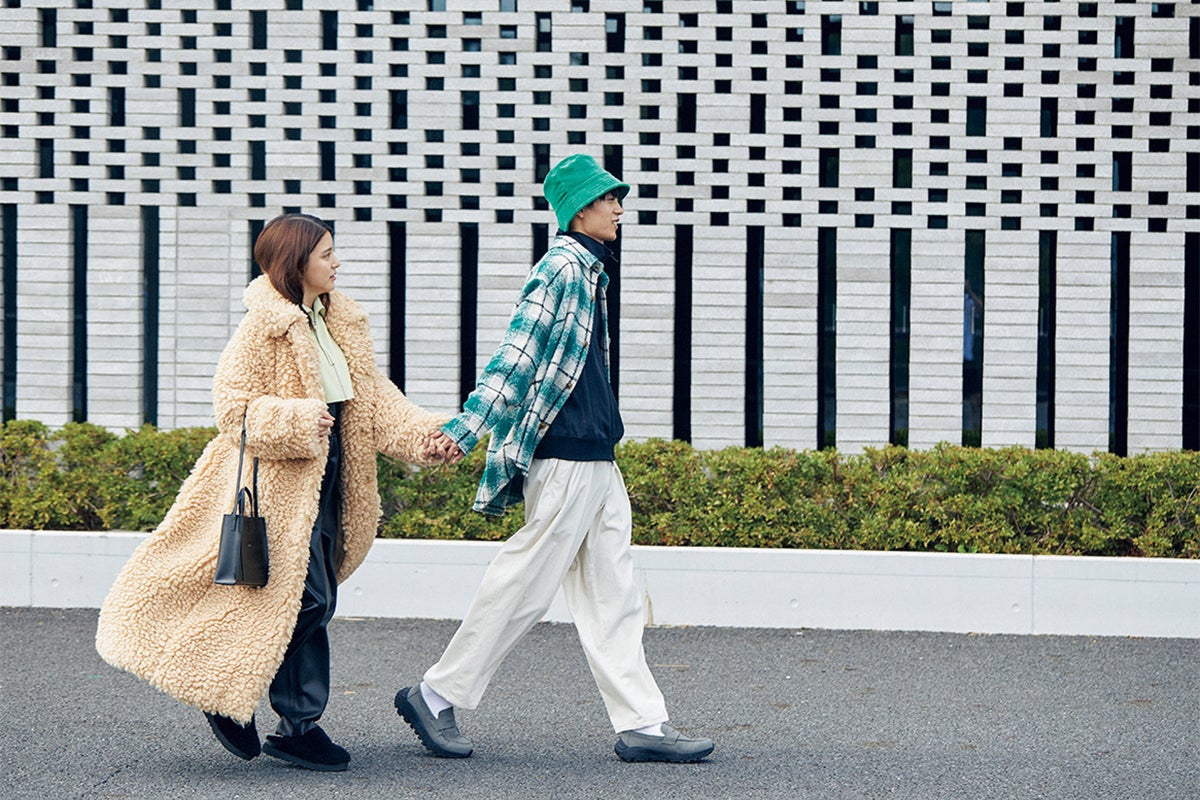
(218, 647)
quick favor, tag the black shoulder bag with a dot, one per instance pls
(242, 558)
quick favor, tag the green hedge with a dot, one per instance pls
(82, 477)
(949, 498)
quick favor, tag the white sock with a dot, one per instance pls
(650, 730)
(437, 704)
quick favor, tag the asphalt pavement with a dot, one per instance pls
(795, 714)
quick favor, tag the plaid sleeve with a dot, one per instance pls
(504, 385)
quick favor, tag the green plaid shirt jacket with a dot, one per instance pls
(533, 371)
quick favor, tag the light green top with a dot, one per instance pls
(335, 375)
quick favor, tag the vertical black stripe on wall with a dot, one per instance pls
(755, 257)
(1118, 346)
(540, 240)
(826, 338)
(150, 300)
(613, 155)
(1191, 341)
(79, 250)
(1047, 305)
(116, 106)
(256, 226)
(758, 113)
(187, 107)
(398, 109)
(972, 370)
(612, 311)
(328, 152)
(258, 30)
(468, 233)
(9, 268)
(397, 300)
(899, 339)
(681, 408)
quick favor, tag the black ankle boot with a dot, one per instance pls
(311, 750)
(240, 740)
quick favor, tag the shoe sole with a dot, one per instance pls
(409, 714)
(275, 752)
(643, 754)
(228, 745)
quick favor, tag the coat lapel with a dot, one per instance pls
(280, 317)
(347, 323)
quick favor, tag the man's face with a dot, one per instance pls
(600, 218)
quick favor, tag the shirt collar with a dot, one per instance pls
(317, 310)
(594, 246)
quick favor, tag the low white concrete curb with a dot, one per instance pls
(716, 586)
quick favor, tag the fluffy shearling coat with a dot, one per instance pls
(218, 647)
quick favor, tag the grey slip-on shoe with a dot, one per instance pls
(440, 734)
(672, 747)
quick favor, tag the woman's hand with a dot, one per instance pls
(441, 447)
(324, 424)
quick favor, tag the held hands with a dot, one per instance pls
(440, 447)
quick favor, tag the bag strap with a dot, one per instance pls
(254, 482)
(240, 492)
(237, 487)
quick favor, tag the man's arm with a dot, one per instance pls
(505, 382)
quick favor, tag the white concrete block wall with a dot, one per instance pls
(718, 337)
(170, 335)
(206, 305)
(114, 315)
(1010, 341)
(363, 251)
(45, 315)
(720, 178)
(505, 257)
(936, 340)
(1155, 344)
(863, 325)
(790, 329)
(432, 319)
(647, 340)
(1082, 346)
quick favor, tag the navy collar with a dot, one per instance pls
(595, 247)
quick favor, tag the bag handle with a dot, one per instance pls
(254, 484)
(239, 490)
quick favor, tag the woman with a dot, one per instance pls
(300, 371)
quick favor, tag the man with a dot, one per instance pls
(546, 397)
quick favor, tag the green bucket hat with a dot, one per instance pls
(574, 183)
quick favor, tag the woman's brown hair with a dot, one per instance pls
(282, 249)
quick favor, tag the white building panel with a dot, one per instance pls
(935, 367)
(1155, 343)
(1010, 340)
(719, 114)
(44, 314)
(1081, 392)
(114, 316)
(863, 326)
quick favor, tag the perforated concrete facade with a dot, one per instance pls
(814, 186)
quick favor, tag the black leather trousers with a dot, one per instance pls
(300, 690)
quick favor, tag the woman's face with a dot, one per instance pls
(320, 270)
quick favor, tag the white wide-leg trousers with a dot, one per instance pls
(577, 535)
